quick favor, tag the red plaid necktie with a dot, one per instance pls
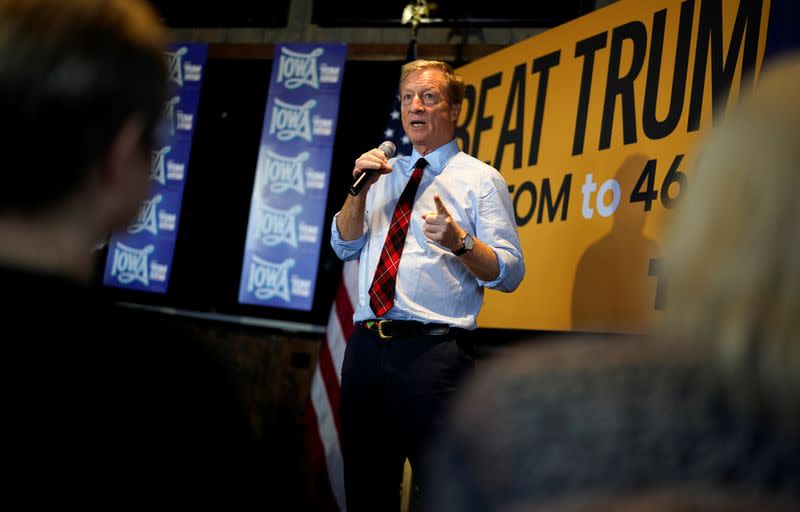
(381, 293)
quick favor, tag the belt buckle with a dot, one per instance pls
(381, 335)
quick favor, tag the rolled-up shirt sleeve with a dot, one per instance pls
(347, 250)
(496, 227)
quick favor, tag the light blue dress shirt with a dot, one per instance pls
(433, 284)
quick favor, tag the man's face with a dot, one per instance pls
(428, 117)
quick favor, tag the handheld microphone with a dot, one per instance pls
(388, 149)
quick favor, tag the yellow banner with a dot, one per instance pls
(592, 125)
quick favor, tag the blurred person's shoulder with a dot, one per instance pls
(621, 402)
(569, 357)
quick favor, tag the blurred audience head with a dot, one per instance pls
(81, 81)
(732, 255)
(82, 90)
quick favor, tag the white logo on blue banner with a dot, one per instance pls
(147, 220)
(175, 63)
(140, 256)
(277, 226)
(290, 121)
(169, 114)
(129, 264)
(159, 169)
(296, 69)
(280, 173)
(287, 208)
(267, 279)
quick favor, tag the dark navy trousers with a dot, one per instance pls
(394, 394)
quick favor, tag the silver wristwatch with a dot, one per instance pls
(467, 243)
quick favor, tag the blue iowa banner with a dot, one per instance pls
(287, 207)
(140, 258)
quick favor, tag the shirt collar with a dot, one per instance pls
(436, 159)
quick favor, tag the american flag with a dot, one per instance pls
(322, 409)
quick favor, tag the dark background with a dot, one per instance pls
(226, 13)
(367, 13)
(452, 13)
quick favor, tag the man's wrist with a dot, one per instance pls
(466, 245)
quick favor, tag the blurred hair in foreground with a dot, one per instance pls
(732, 255)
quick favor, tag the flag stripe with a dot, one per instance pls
(331, 475)
(344, 310)
(323, 419)
(316, 455)
(330, 379)
(330, 439)
(337, 342)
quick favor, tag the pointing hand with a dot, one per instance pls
(440, 226)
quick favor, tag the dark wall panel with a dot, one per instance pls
(228, 13)
(479, 13)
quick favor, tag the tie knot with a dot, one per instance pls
(421, 164)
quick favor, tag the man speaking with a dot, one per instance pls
(431, 231)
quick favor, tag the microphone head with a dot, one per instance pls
(388, 148)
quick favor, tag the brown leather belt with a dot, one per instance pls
(388, 329)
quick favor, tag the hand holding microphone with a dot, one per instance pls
(388, 149)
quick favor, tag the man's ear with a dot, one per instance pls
(455, 111)
(122, 174)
